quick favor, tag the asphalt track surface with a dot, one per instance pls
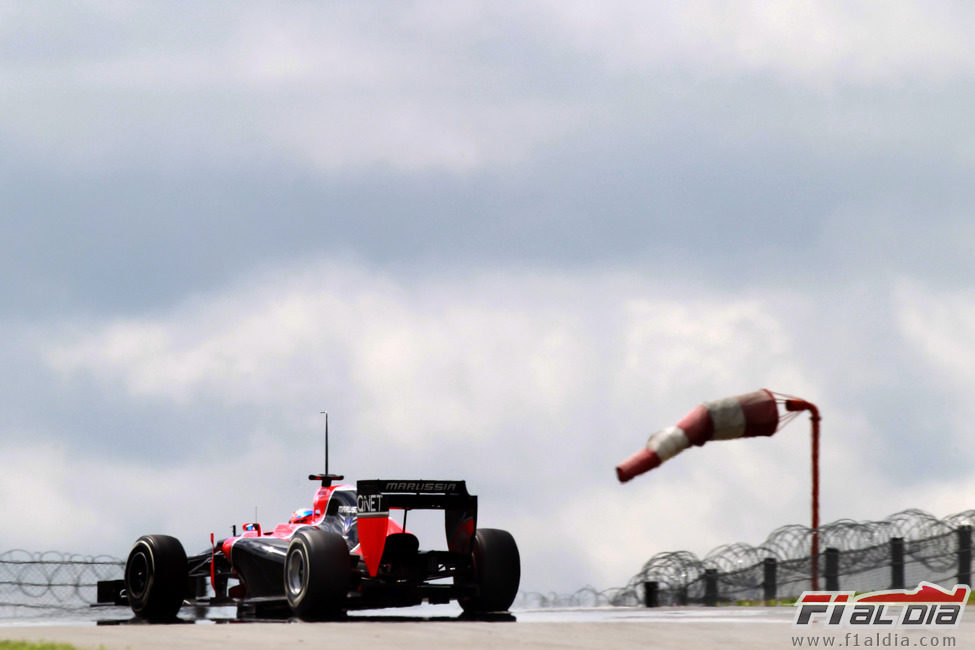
(610, 627)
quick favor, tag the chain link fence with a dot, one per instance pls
(895, 553)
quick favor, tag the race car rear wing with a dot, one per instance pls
(375, 498)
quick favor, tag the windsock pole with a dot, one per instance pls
(803, 405)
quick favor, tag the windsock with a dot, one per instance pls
(743, 416)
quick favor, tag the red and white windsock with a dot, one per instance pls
(743, 416)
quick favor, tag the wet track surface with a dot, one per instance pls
(443, 626)
(114, 616)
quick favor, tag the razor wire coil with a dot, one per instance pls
(864, 560)
(51, 582)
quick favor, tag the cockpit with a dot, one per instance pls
(301, 516)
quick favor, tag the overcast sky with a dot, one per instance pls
(496, 242)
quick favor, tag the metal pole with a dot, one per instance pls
(650, 591)
(964, 554)
(710, 587)
(814, 417)
(803, 405)
(896, 562)
(832, 569)
(769, 570)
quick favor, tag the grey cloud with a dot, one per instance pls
(175, 165)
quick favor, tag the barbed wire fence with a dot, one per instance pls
(897, 552)
(50, 583)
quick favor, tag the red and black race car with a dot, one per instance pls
(344, 553)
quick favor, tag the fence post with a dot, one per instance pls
(650, 590)
(710, 587)
(896, 562)
(965, 555)
(769, 569)
(832, 569)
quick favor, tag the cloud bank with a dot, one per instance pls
(530, 386)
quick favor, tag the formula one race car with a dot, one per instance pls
(343, 553)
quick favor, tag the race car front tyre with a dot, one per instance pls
(155, 577)
(497, 571)
(317, 573)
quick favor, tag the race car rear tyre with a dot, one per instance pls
(497, 571)
(155, 577)
(317, 573)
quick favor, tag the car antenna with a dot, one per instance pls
(325, 478)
